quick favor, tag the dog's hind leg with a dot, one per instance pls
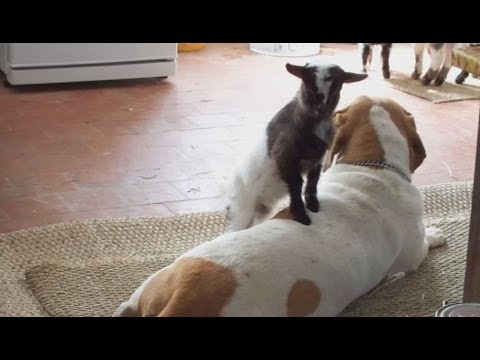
(415, 251)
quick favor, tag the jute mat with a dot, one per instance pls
(447, 92)
(88, 268)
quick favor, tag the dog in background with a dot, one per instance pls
(367, 49)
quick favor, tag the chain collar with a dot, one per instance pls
(382, 164)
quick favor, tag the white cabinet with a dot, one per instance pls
(37, 63)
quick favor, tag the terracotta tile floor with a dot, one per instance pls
(156, 148)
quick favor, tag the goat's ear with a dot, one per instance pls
(296, 70)
(348, 77)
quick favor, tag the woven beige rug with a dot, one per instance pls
(89, 268)
(447, 92)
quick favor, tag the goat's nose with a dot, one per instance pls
(320, 97)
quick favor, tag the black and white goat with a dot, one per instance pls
(293, 145)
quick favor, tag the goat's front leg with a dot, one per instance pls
(292, 176)
(311, 199)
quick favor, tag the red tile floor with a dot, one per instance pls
(161, 147)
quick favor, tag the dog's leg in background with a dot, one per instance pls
(418, 50)
(386, 48)
(436, 51)
(366, 56)
(461, 77)
(447, 64)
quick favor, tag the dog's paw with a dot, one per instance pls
(415, 75)
(434, 237)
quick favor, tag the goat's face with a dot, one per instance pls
(322, 83)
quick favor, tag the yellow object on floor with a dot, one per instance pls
(467, 59)
(183, 47)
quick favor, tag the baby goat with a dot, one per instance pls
(294, 144)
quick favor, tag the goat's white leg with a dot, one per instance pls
(447, 64)
(418, 50)
(436, 52)
(240, 215)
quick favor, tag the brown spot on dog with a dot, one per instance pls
(303, 298)
(356, 139)
(284, 214)
(405, 123)
(190, 287)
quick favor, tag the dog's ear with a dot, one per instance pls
(338, 143)
(418, 153)
(338, 120)
(417, 149)
(348, 77)
(296, 70)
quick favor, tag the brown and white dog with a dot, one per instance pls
(370, 226)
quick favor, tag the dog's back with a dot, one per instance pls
(370, 225)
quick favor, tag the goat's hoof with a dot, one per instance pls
(415, 75)
(438, 82)
(312, 204)
(302, 218)
(386, 74)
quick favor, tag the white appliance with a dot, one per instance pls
(41, 63)
(286, 49)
